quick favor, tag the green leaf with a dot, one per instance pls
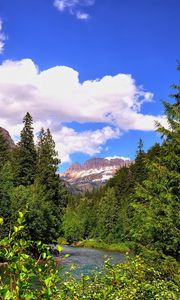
(59, 248)
(16, 229)
(21, 215)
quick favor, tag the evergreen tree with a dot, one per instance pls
(107, 216)
(138, 169)
(47, 166)
(4, 150)
(47, 177)
(154, 153)
(123, 184)
(72, 225)
(156, 221)
(41, 221)
(6, 191)
(26, 154)
(171, 135)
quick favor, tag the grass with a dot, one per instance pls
(120, 247)
(62, 241)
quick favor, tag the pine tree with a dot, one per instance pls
(47, 177)
(41, 221)
(107, 216)
(6, 183)
(154, 152)
(6, 191)
(156, 221)
(4, 150)
(138, 169)
(26, 154)
(47, 165)
(171, 135)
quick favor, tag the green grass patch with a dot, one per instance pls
(120, 247)
(62, 241)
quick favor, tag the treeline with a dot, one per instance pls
(140, 204)
(29, 181)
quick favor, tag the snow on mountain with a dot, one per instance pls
(94, 172)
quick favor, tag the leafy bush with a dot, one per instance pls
(25, 277)
(121, 247)
(62, 241)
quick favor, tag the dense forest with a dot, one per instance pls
(139, 206)
(29, 180)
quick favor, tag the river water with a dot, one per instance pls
(87, 259)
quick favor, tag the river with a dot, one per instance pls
(87, 259)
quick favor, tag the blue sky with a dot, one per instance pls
(94, 71)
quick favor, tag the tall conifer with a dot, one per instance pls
(6, 190)
(4, 150)
(47, 165)
(47, 177)
(156, 221)
(26, 154)
(139, 170)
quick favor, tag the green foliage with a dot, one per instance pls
(72, 227)
(30, 178)
(156, 220)
(47, 165)
(6, 189)
(99, 244)
(139, 170)
(155, 223)
(25, 277)
(4, 150)
(62, 241)
(21, 270)
(42, 223)
(26, 154)
(55, 195)
(107, 216)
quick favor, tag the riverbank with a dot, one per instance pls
(95, 244)
(120, 247)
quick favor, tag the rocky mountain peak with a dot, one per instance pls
(7, 136)
(94, 163)
(93, 172)
(75, 167)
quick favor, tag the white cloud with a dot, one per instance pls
(73, 6)
(55, 95)
(82, 16)
(120, 157)
(68, 141)
(2, 38)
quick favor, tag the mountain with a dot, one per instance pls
(8, 138)
(94, 172)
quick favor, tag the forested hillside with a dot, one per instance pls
(140, 204)
(28, 180)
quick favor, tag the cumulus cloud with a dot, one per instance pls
(69, 141)
(56, 95)
(2, 38)
(73, 6)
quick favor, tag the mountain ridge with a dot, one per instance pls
(94, 172)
